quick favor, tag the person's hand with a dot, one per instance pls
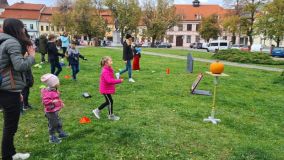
(85, 59)
(55, 101)
(31, 51)
(125, 62)
(121, 80)
(21, 98)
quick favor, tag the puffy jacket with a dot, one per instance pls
(13, 64)
(48, 96)
(53, 52)
(64, 41)
(107, 81)
(74, 56)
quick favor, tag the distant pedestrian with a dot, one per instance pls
(42, 47)
(136, 59)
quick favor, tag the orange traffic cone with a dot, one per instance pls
(67, 77)
(85, 120)
(168, 71)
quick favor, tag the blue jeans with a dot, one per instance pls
(75, 70)
(53, 65)
(127, 68)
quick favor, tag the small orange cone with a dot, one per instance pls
(67, 77)
(168, 71)
(85, 120)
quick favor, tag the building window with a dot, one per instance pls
(171, 39)
(25, 25)
(52, 28)
(225, 38)
(197, 27)
(180, 27)
(62, 29)
(189, 27)
(197, 39)
(57, 28)
(47, 28)
(41, 28)
(31, 26)
(188, 39)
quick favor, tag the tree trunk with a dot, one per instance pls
(121, 38)
(153, 41)
(278, 41)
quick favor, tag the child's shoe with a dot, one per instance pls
(54, 139)
(131, 80)
(113, 117)
(117, 75)
(97, 113)
(62, 135)
(21, 156)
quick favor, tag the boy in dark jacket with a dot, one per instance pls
(127, 57)
(53, 55)
(73, 56)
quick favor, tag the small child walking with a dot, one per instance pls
(107, 88)
(136, 58)
(52, 105)
(73, 56)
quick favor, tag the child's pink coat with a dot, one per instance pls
(107, 81)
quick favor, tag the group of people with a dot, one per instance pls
(17, 56)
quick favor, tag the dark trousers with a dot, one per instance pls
(64, 49)
(75, 70)
(108, 102)
(26, 93)
(53, 65)
(127, 68)
(42, 57)
(54, 123)
(11, 103)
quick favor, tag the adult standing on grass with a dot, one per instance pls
(53, 55)
(127, 57)
(64, 42)
(42, 47)
(12, 66)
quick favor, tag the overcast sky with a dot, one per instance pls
(52, 2)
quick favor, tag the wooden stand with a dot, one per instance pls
(212, 118)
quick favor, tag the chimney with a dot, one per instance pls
(196, 3)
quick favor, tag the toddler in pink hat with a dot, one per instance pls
(52, 105)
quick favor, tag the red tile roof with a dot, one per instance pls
(189, 13)
(21, 14)
(26, 6)
(50, 10)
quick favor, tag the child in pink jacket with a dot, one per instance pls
(52, 105)
(107, 88)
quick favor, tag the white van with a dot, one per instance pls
(214, 46)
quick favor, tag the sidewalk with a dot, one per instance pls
(251, 66)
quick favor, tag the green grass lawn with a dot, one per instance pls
(181, 52)
(159, 118)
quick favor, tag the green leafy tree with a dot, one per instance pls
(231, 24)
(209, 28)
(128, 14)
(159, 16)
(270, 22)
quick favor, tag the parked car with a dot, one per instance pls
(260, 48)
(278, 52)
(214, 46)
(163, 45)
(196, 45)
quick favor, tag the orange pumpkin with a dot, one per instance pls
(216, 67)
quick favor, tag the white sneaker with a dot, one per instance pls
(117, 75)
(113, 117)
(97, 113)
(21, 156)
(131, 80)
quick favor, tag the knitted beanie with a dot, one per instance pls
(50, 80)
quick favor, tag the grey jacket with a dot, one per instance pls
(13, 64)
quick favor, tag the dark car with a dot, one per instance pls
(196, 45)
(163, 45)
(278, 52)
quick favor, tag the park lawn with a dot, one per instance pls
(180, 52)
(159, 118)
(195, 54)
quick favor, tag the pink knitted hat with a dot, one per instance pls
(50, 80)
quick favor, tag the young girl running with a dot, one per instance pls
(107, 88)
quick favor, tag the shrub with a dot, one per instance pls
(235, 55)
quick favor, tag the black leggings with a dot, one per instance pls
(109, 103)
